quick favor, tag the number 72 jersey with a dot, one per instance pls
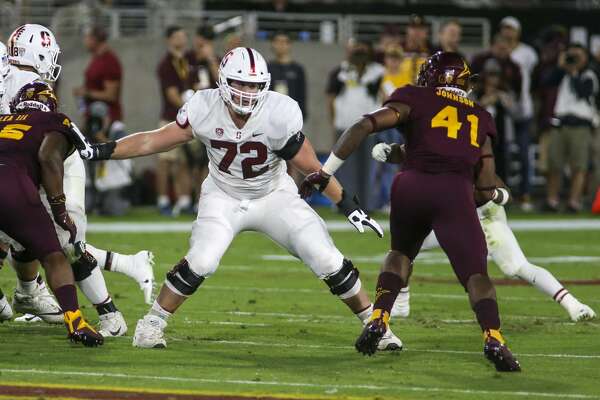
(444, 131)
(247, 162)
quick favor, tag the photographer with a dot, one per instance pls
(574, 118)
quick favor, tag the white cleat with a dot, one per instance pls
(389, 342)
(39, 303)
(142, 271)
(149, 333)
(112, 324)
(581, 313)
(6, 312)
(401, 307)
(28, 318)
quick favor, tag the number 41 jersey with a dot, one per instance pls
(247, 162)
(445, 130)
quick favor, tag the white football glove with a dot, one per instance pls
(359, 219)
(492, 212)
(381, 151)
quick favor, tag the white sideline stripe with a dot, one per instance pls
(338, 226)
(188, 321)
(302, 384)
(462, 297)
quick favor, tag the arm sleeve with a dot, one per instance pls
(406, 95)
(193, 112)
(287, 137)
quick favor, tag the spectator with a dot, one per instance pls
(232, 40)
(287, 76)
(103, 74)
(394, 77)
(500, 50)
(416, 46)
(174, 77)
(352, 90)
(204, 64)
(391, 36)
(574, 117)
(500, 101)
(449, 37)
(526, 58)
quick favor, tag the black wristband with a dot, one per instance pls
(347, 204)
(105, 150)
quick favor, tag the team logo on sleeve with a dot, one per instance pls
(219, 132)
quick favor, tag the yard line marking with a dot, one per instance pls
(189, 321)
(304, 384)
(339, 226)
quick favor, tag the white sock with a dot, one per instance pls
(365, 314)
(184, 201)
(566, 299)
(159, 312)
(27, 287)
(163, 201)
(100, 255)
(94, 287)
(540, 278)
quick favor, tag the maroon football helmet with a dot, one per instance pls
(445, 69)
(36, 95)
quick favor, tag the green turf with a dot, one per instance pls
(270, 327)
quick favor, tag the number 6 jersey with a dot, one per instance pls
(445, 130)
(247, 162)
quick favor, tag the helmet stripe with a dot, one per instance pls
(252, 65)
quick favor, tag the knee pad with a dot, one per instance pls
(83, 267)
(344, 283)
(183, 279)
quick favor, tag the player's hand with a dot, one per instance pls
(357, 217)
(381, 151)
(99, 151)
(61, 216)
(317, 180)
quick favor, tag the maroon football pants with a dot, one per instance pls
(23, 217)
(443, 202)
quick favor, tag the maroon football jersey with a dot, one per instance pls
(21, 136)
(444, 131)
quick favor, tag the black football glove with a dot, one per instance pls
(317, 180)
(357, 217)
(99, 151)
(61, 216)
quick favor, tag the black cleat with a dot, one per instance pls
(371, 335)
(500, 356)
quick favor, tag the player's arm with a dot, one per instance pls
(51, 156)
(488, 186)
(140, 144)
(109, 94)
(305, 160)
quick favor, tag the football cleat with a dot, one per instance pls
(112, 324)
(496, 351)
(40, 303)
(368, 341)
(149, 333)
(389, 342)
(142, 264)
(6, 312)
(581, 312)
(79, 331)
(401, 307)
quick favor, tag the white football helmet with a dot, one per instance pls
(35, 46)
(4, 68)
(245, 65)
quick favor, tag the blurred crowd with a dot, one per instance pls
(542, 96)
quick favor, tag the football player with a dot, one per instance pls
(503, 248)
(249, 133)
(447, 136)
(33, 146)
(33, 55)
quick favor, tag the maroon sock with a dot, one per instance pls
(67, 298)
(487, 314)
(388, 287)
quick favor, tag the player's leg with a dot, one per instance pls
(467, 253)
(508, 255)
(292, 223)
(219, 220)
(6, 311)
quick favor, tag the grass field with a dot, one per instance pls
(263, 325)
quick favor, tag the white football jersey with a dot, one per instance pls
(15, 80)
(244, 162)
